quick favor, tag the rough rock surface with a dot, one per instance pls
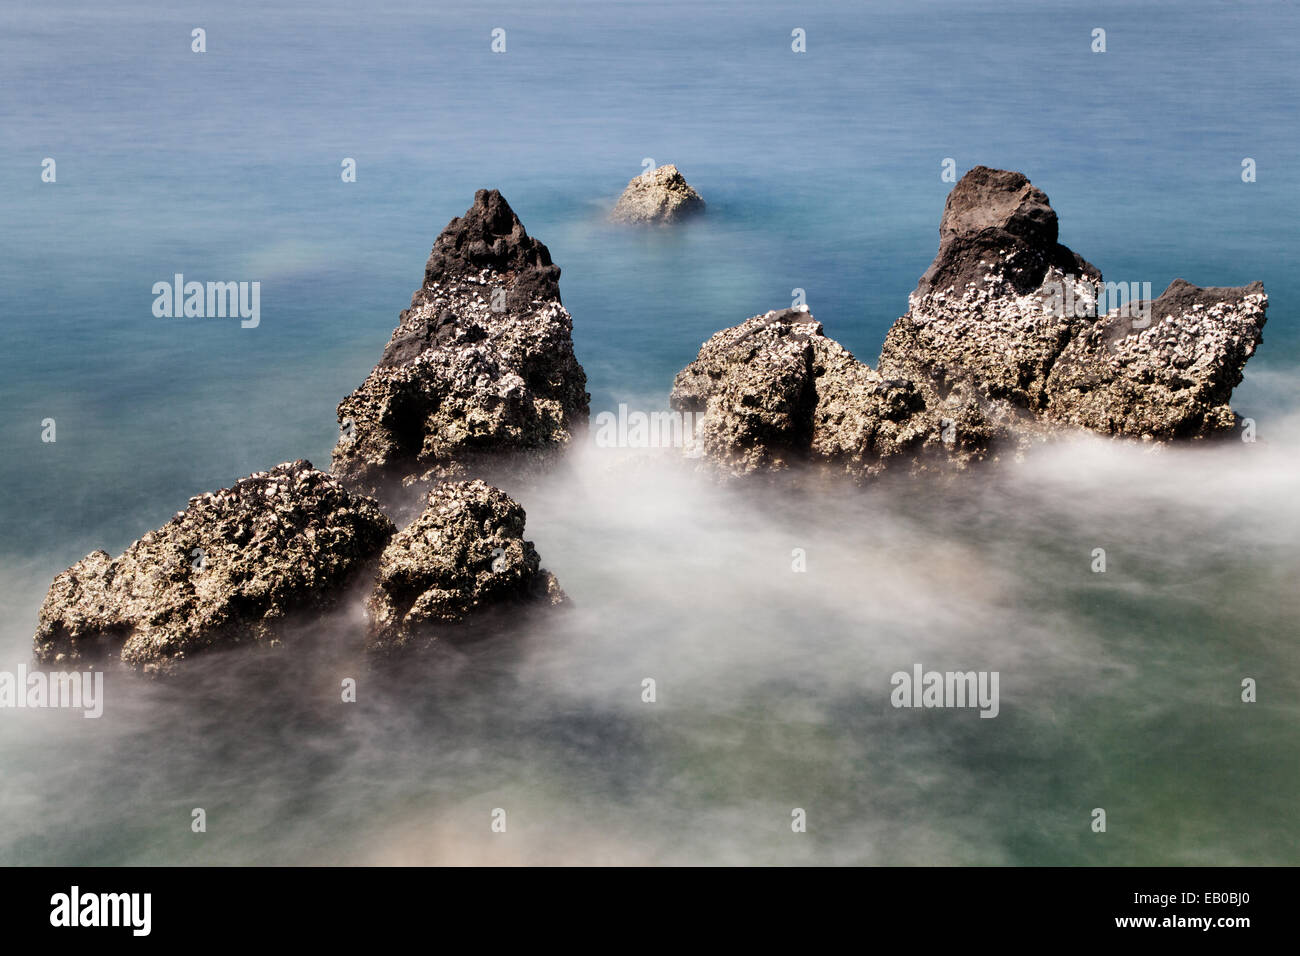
(658, 195)
(481, 364)
(490, 236)
(1001, 347)
(979, 323)
(775, 390)
(996, 222)
(462, 556)
(1172, 378)
(1006, 317)
(228, 569)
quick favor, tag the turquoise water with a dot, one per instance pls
(822, 172)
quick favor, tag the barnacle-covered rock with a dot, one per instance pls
(481, 365)
(461, 558)
(657, 196)
(229, 569)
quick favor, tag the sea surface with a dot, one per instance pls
(822, 171)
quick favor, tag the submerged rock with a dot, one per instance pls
(229, 569)
(658, 195)
(1000, 348)
(464, 555)
(481, 364)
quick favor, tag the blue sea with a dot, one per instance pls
(822, 173)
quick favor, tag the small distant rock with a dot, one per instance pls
(463, 556)
(660, 195)
(229, 569)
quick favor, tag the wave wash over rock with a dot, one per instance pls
(238, 566)
(480, 365)
(462, 555)
(229, 569)
(1001, 347)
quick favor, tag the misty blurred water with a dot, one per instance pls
(821, 170)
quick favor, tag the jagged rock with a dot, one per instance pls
(775, 390)
(658, 195)
(751, 391)
(231, 568)
(1171, 378)
(463, 556)
(490, 236)
(481, 364)
(977, 323)
(995, 222)
(1000, 347)
(1006, 318)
